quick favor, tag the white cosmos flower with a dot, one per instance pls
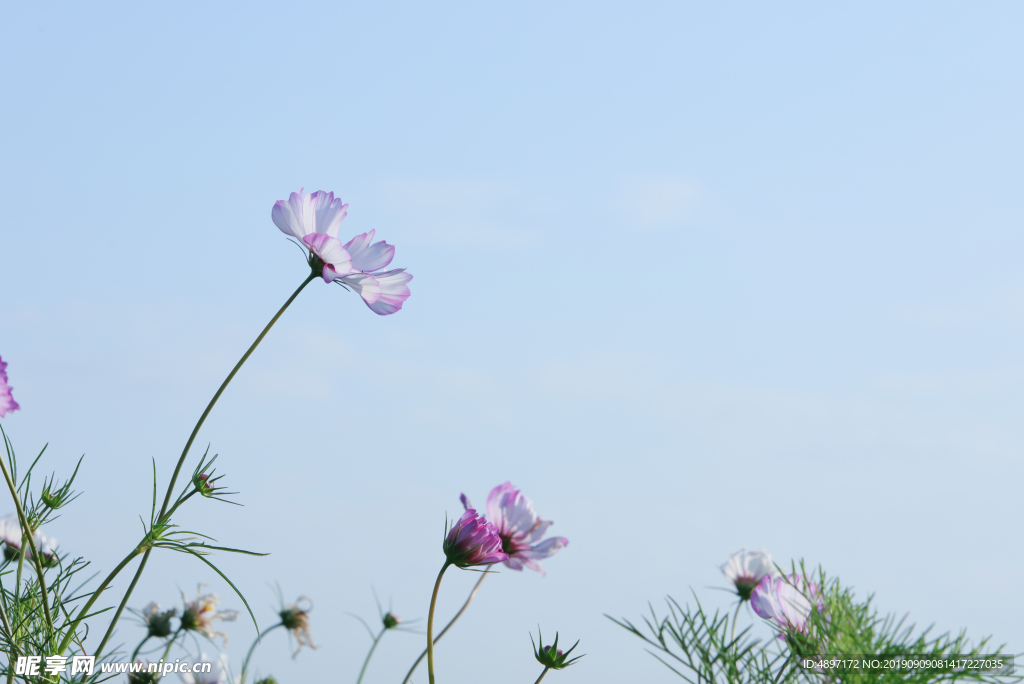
(745, 569)
(314, 220)
(10, 530)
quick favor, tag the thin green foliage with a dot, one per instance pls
(854, 642)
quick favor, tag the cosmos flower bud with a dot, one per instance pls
(391, 621)
(203, 484)
(551, 656)
(473, 541)
(267, 680)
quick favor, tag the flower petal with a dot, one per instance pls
(336, 260)
(295, 216)
(7, 403)
(546, 549)
(10, 530)
(367, 257)
(763, 600)
(330, 212)
(394, 292)
(366, 285)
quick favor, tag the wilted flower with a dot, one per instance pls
(552, 657)
(391, 621)
(787, 602)
(315, 220)
(7, 403)
(158, 624)
(295, 619)
(519, 527)
(745, 569)
(10, 535)
(473, 541)
(218, 674)
(199, 615)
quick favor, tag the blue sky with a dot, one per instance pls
(693, 277)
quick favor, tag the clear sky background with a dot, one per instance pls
(694, 277)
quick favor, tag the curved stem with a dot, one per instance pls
(446, 627)
(184, 453)
(367, 661)
(12, 640)
(92, 599)
(223, 386)
(21, 565)
(783, 668)
(248, 656)
(124, 601)
(735, 617)
(17, 597)
(36, 561)
(139, 648)
(167, 651)
(542, 675)
(430, 624)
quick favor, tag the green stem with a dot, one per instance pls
(184, 453)
(21, 564)
(17, 599)
(542, 675)
(11, 640)
(368, 655)
(430, 624)
(783, 668)
(223, 386)
(450, 623)
(248, 656)
(138, 648)
(36, 560)
(92, 599)
(735, 617)
(167, 651)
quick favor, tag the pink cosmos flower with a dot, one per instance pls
(745, 569)
(7, 403)
(473, 541)
(315, 220)
(520, 528)
(786, 601)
